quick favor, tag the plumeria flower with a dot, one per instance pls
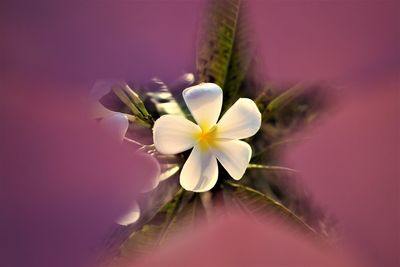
(116, 124)
(210, 139)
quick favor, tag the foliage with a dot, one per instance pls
(254, 202)
(225, 56)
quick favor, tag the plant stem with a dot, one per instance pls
(270, 167)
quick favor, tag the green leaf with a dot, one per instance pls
(127, 96)
(254, 202)
(242, 57)
(217, 41)
(225, 51)
(282, 100)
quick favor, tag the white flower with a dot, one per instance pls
(211, 141)
(116, 125)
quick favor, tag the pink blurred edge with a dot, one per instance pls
(232, 238)
(60, 175)
(349, 164)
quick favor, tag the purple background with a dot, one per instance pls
(136, 40)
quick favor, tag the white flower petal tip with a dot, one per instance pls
(130, 217)
(116, 125)
(211, 141)
(241, 120)
(200, 171)
(152, 183)
(174, 134)
(234, 156)
(204, 102)
(100, 89)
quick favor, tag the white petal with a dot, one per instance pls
(234, 155)
(240, 121)
(174, 134)
(154, 180)
(169, 171)
(131, 216)
(116, 125)
(200, 171)
(204, 102)
(98, 111)
(100, 89)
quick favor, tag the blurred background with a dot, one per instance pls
(136, 40)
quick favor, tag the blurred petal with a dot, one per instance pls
(200, 172)
(242, 120)
(204, 102)
(61, 176)
(100, 89)
(234, 156)
(154, 180)
(174, 134)
(116, 125)
(130, 217)
(168, 170)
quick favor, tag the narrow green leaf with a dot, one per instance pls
(255, 202)
(118, 91)
(225, 50)
(217, 41)
(134, 97)
(240, 61)
(284, 99)
(270, 167)
(137, 116)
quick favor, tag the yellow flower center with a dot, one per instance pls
(207, 138)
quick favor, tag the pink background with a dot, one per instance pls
(50, 48)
